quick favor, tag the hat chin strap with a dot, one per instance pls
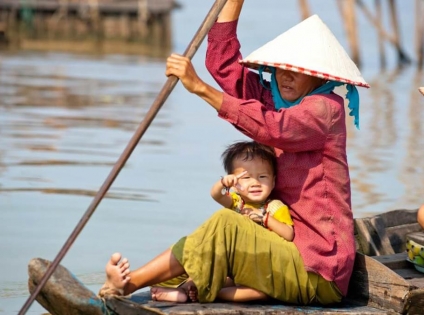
(352, 94)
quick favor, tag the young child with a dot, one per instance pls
(251, 171)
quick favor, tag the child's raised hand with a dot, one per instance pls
(231, 180)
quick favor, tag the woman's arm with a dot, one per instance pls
(183, 69)
(230, 11)
(301, 128)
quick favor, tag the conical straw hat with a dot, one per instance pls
(421, 89)
(309, 48)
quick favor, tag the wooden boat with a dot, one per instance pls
(383, 281)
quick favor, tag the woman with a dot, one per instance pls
(298, 114)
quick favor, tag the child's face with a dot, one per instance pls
(258, 182)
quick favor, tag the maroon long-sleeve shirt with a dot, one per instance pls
(310, 143)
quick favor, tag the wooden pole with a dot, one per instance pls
(94, 16)
(353, 34)
(154, 109)
(383, 60)
(395, 26)
(304, 9)
(143, 15)
(347, 11)
(419, 32)
(391, 38)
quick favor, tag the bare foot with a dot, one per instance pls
(192, 292)
(117, 272)
(168, 294)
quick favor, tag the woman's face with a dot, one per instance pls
(293, 85)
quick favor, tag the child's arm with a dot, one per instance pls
(284, 230)
(228, 181)
(280, 220)
(420, 216)
(224, 200)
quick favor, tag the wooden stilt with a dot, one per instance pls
(60, 16)
(167, 27)
(419, 32)
(351, 14)
(390, 37)
(143, 16)
(383, 60)
(304, 9)
(94, 17)
(347, 10)
(402, 59)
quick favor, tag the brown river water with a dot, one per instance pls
(65, 119)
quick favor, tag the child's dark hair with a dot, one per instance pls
(246, 151)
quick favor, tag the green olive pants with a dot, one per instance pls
(229, 244)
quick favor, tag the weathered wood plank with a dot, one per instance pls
(372, 237)
(397, 235)
(395, 261)
(129, 307)
(384, 246)
(413, 276)
(55, 295)
(63, 294)
(385, 234)
(378, 285)
(403, 268)
(364, 238)
(416, 237)
(399, 217)
(415, 302)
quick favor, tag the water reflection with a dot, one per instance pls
(73, 112)
(412, 172)
(117, 194)
(387, 166)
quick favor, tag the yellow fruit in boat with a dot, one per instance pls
(415, 248)
(418, 260)
(410, 254)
